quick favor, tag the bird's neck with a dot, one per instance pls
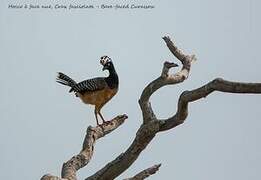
(113, 79)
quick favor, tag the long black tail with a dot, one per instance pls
(65, 80)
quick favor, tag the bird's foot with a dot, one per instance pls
(106, 122)
(103, 123)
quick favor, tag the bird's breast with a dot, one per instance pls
(98, 98)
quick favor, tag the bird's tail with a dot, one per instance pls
(65, 80)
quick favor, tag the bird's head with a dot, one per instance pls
(106, 62)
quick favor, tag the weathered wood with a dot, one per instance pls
(151, 124)
(70, 167)
(145, 173)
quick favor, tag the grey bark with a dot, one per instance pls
(145, 173)
(70, 167)
(151, 124)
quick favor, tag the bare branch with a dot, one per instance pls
(165, 79)
(51, 177)
(143, 137)
(202, 92)
(151, 125)
(145, 173)
(176, 51)
(82, 159)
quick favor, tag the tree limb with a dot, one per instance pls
(51, 177)
(151, 125)
(165, 78)
(145, 173)
(217, 84)
(70, 168)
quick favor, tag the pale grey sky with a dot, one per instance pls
(42, 125)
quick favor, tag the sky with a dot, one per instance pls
(42, 125)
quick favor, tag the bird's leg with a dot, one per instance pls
(102, 117)
(96, 117)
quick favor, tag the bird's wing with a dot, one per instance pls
(90, 85)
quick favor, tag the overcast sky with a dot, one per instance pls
(42, 125)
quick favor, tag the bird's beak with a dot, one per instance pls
(104, 68)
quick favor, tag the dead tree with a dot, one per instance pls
(151, 124)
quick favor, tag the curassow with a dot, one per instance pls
(97, 91)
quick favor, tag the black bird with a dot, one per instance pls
(97, 91)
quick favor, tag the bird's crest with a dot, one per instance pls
(105, 59)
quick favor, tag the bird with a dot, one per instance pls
(96, 91)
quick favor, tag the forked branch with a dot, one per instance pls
(202, 92)
(165, 78)
(151, 124)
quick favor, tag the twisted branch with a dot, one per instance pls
(217, 84)
(165, 78)
(70, 168)
(151, 124)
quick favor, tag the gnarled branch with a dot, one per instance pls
(145, 173)
(70, 168)
(165, 78)
(152, 125)
(202, 92)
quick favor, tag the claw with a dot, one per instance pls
(106, 122)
